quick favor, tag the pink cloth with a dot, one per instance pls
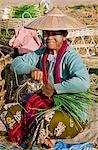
(26, 40)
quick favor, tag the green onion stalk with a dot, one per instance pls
(74, 104)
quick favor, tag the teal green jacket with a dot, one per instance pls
(73, 73)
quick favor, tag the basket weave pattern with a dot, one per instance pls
(4, 60)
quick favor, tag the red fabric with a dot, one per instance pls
(44, 68)
(19, 131)
(61, 53)
(15, 134)
(38, 102)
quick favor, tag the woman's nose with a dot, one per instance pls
(50, 37)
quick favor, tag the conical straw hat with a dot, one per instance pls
(55, 20)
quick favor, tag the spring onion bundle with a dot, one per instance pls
(74, 104)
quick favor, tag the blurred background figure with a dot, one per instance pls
(7, 11)
(46, 3)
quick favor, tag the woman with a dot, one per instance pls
(60, 70)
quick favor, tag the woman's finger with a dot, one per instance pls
(40, 77)
(35, 75)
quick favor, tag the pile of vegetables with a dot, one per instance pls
(74, 104)
(34, 10)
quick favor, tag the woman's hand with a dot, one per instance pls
(37, 74)
(48, 90)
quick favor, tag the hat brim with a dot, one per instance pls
(55, 20)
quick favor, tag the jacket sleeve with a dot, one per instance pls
(79, 78)
(24, 64)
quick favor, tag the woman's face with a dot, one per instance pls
(53, 39)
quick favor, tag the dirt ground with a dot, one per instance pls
(87, 15)
(52, 2)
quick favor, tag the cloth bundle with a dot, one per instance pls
(63, 146)
(26, 40)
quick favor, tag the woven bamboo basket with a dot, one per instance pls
(2, 93)
(2, 99)
(5, 59)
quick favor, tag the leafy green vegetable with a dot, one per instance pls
(74, 104)
(34, 11)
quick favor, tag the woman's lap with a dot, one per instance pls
(59, 125)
